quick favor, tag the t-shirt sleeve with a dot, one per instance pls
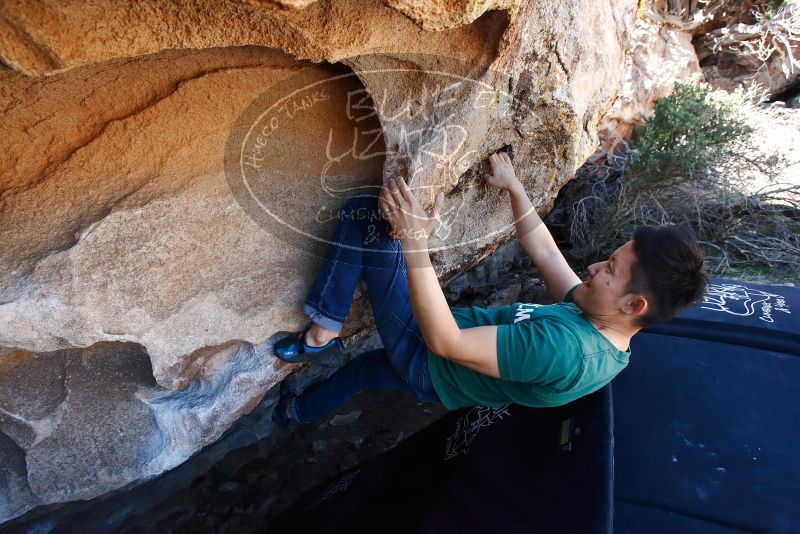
(568, 296)
(540, 351)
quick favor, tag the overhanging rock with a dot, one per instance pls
(119, 222)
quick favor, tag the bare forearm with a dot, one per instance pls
(534, 237)
(533, 234)
(437, 325)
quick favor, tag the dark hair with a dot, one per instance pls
(668, 271)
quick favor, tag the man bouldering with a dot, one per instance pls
(528, 354)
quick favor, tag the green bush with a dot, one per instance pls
(693, 164)
(692, 131)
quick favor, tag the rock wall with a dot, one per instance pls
(752, 44)
(659, 56)
(122, 232)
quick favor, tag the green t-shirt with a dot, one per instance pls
(548, 355)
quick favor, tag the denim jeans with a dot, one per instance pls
(360, 246)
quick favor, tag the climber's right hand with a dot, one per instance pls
(502, 175)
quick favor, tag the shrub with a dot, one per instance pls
(693, 164)
(692, 130)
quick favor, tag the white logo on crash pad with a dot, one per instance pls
(468, 426)
(741, 300)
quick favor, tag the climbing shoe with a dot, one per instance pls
(281, 413)
(293, 349)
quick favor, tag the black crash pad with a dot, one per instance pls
(741, 313)
(706, 433)
(707, 420)
(510, 469)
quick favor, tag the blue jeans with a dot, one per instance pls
(361, 246)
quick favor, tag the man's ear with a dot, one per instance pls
(635, 305)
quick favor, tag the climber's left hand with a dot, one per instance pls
(400, 207)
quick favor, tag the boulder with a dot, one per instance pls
(126, 228)
(660, 55)
(752, 45)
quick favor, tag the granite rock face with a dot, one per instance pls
(121, 226)
(659, 56)
(679, 39)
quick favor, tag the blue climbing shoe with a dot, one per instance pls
(293, 349)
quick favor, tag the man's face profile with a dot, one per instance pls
(603, 293)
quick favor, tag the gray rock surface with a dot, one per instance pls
(101, 435)
(15, 492)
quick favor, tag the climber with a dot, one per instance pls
(528, 354)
